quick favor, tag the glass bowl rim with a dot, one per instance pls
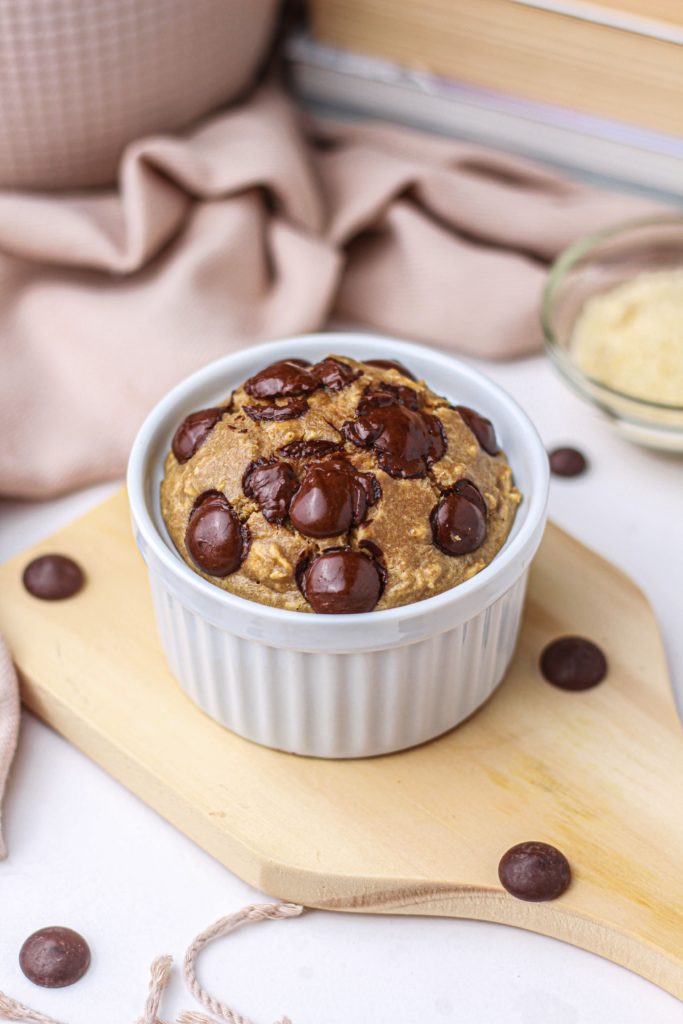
(559, 355)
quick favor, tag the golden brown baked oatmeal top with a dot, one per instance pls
(339, 487)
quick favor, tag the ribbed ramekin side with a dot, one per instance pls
(340, 705)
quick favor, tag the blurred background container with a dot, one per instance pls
(81, 79)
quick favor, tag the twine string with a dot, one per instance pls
(160, 974)
(219, 929)
(11, 1009)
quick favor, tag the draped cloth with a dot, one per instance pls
(258, 223)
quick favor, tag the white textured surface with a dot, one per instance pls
(340, 705)
(86, 853)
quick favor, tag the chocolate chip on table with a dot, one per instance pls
(333, 497)
(534, 871)
(216, 540)
(54, 957)
(573, 663)
(53, 577)
(193, 432)
(481, 428)
(341, 581)
(567, 462)
(271, 484)
(390, 364)
(459, 520)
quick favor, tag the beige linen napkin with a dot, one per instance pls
(253, 225)
(9, 725)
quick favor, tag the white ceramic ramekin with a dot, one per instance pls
(339, 685)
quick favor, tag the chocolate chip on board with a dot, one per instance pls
(573, 663)
(54, 957)
(53, 577)
(534, 871)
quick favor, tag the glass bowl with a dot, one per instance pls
(598, 263)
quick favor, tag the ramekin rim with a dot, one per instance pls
(185, 576)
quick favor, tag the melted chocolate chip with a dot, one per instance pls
(332, 374)
(341, 581)
(468, 490)
(458, 522)
(534, 872)
(406, 441)
(390, 364)
(271, 484)
(54, 957)
(481, 428)
(378, 396)
(573, 663)
(193, 432)
(216, 540)
(53, 577)
(567, 462)
(308, 449)
(332, 498)
(280, 380)
(290, 410)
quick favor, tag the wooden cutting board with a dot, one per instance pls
(599, 773)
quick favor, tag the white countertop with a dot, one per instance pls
(87, 854)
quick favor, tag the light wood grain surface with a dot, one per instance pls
(596, 773)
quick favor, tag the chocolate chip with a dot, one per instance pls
(390, 364)
(378, 396)
(332, 498)
(342, 581)
(308, 449)
(567, 462)
(271, 484)
(53, 577)
(193, 432)
(534, 872)
(470, 491)
(290, 410)
(573, 663)
(406, 442)
(216, 540)
(332, 374)
(458, 523)
(54, 957)
(481, 428)
(280, 380)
